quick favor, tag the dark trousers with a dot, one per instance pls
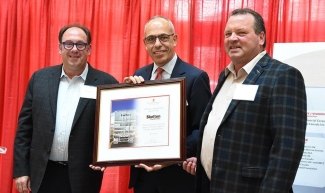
(172, 179)
(56, 179)
(205, 183)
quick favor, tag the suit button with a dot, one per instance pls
(48, 151)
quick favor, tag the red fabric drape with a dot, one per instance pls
(28, 42)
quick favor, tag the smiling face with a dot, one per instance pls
(74, 61)
(160, 52)
(241, 42)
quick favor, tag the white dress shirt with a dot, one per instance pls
(68, 99)
(168, 69)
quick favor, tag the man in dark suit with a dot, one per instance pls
(54, 142)
(252, 133)
(160, 40)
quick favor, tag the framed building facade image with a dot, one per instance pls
(140, 123)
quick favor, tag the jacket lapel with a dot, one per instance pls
(251, 79)
(54, 81)
(147, 75)
(179, 69)
(221, 80)
(90, 80)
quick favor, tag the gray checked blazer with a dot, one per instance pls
(259, 144)
(36, 125)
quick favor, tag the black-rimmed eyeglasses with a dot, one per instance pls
(162, 38)
(79, 45)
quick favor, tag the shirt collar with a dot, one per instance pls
(167, 67)
(83, 75)
(247, 68)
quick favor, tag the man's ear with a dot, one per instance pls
(60, 48)
(262, 38)
(89, 49)
(145, 45)
(175, 39)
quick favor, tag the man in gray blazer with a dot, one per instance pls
(53, 147)
(252, 132)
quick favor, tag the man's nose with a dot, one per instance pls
(233, 36)
(74, 47)
(157, 40)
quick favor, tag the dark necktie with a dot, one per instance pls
(159, 73)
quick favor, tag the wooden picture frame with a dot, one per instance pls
(140, 123)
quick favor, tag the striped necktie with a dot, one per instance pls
(159, 73)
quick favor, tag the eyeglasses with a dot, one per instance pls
(80, 45)
(162, 38)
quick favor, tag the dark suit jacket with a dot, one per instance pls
(36, 125)
(198, 94)
(259, 144)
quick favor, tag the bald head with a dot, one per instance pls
(162, 20)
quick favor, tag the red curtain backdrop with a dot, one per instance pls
(28, 42)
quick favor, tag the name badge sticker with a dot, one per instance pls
(245, 92)
(89, 92)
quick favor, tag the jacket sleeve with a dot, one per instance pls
(198, 99)
(288, 118)
(24, 133)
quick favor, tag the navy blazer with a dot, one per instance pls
(259, 144)
(36, 126)
(198, 94)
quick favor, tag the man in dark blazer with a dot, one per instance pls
(53, 147)
(252, 133)
(160, 40)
